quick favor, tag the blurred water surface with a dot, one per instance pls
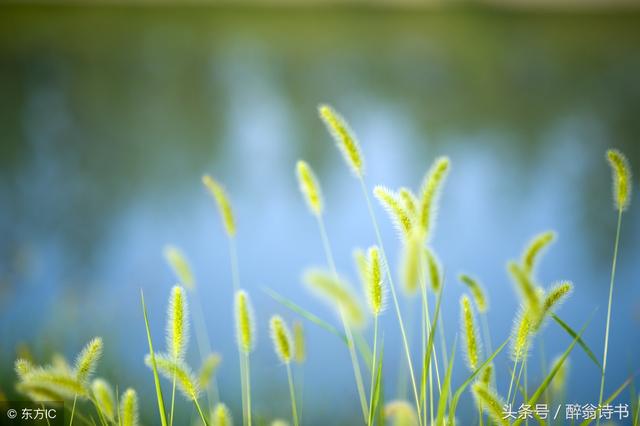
(110, 115)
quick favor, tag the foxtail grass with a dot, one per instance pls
(245, 336)
(283, 347)
(534, 250)
(180, 266)
(431, 187)
(309, 187)
(490, 402)
(129, 408)
(621, 176)
(399, 215)
(344, 138)
(103, 393)
(470, 333)
(221, 416)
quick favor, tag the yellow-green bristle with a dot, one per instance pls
(470, 333)
(87, 360)
(337, 293)
(177, 323)
(433, 269)
(281, 337)
(221, 416)
(431, 187)
(559, 382)
(534, 249)
(300, 351)
(180, 266)
(402, 412)
(375, 289)
(344, 138)
(129, 408)
(245, 328)
(309, 187)
(527, 289)
(409, 202)
(521, 334)
(105, 400)
(478, 293)
(208, 369)
(411, 263)
(621, 174)
(490, 401)
(224, 205)
(172, 369)
(392, 204)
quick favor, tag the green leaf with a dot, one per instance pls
(444, 393)
(581, 342)
(304, 313)
(156, 379)
(426, 364)
(376, 386)
(612, 397)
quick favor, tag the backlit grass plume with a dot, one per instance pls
(553, 298)
(621, 174)
(281, 337)
(534, 249)
(433, 269)
(221, 416)
(224, 205)
(299, 349)
(489, 400)
(103, 394)
(486, 376)
(375, 289)
(186, 381)
(394, 207)
(559, 382)
(208, 369)
(520, 334)
(245, 325)
(409, 202)
(337, 293)
(411, 263)
(469, 333)
(87, 360)
(431, 187)
(344, 138)
(528, 290)
(177, 324)
(180, 266)
(309, 187)
(129, 408)
(478, 293)
(402, 413)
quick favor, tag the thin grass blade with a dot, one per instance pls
(581, 342)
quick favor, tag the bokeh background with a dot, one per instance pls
(110, 114)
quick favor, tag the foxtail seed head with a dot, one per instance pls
(411, 262)
(490, 402)
(559, 382)
(208, 369)
(224, 205)
(553, 299)
(180, 266)
(177, 323)
(337, 293)
(309, 187)
(398, 214)
(129, 408)
(221, 416)
(103, 395)
(344, 138)
(478, 293)
(486, 376)
(470, 333)
(23, 367)
(375, 289)
(621, 174)
(299, 350)
(527, 289)
(534, 250)
(245, 327)
(409, 202)
(88, 359)
(431, 187)
(171, 369)
(521, 334)
(433, 268)
(281, 337)
(402, 412)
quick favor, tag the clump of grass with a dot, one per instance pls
(344, 138)
(129, 408)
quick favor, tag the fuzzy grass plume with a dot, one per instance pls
(621, 174)
(469, 333)
(281, 337)
(337, 293)
(309, 187)
(393, 205)
(375, 289)
(490, 402)
(177, 324)
(221, 416)
(224, 205)
(103, 394)
(431, 187)
(402, 413)
(299, 349)
(180, 266)
(478, 293)
(433, 269)
(528, 291)
(559, 382)
(520, 334)
(344, 138)
(553, 299)
(245, 325)
(411, 263)
(129, 408)
(409, 202)
(186, 381)
(534, 250)
(87, 360)
(208, 369)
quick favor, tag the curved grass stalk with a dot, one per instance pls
(347, 329)
(292, 395)
(394, 297)
(373, 370)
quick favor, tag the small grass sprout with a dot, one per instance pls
(393, 205)
(534, 250)
(477, 291)
(221, 416)
(299, 349)
(105, 400)
(129, 408)
(224, 205)
(621, 174)
(344, 138)
(431, 188)
(87, 360)
(179, 265)
(245, 325)
(309, 187)
(469, 333)
(337, 293)
(177, 323)
(490, 401)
